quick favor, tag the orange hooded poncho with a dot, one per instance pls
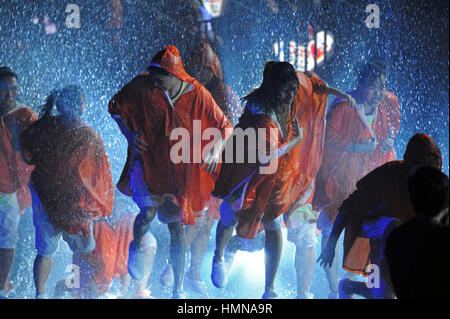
(72, 174)
(311, 102)
(146, 109)
(383, 192)
(269, 196)
(109, 258)
(14, 172)
(223, 95)
(340, 170)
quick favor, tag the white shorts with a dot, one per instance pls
(48, 235)
(9, 220)
(169, 212)
(304, 235)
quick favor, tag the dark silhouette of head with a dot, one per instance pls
(69, 102)
(428, 190)
(279, 86)
(6, 72)
(422, 150)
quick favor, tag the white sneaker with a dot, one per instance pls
(219, 274)
(167, 277)
(197, 286)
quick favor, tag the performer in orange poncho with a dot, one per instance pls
(357, 140)
(14, 173)
(379, 204)
(253, 189)
(71, 184)
(203, 63)
(153, 111)
(306, 157)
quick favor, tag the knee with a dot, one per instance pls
(148, 214)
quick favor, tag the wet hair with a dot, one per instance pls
(68, 102)
(275, 76)
(6, 72)
(375, 67)
(428, 190)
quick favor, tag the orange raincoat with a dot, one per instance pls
(311, 102)
(146, 109)
(109, 258)
(14, 172)
(340, 170)
(72, 174)
(269, 196)
(223, 95)
(383, 192)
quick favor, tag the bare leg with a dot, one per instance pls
(141, 225)
(177, 253)
(6, 261)
(273, 249)
(305, 260)
(223, 235)
(191, 233)
(332, 272)
(149, 258)
(41, 271)
(198, 249)
(124, 281)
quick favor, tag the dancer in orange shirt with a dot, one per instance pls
(14, 172)
(357, 140)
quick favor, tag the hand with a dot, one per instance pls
(387, 144)
(366, 147)
(326, 257)
(211, 162)
(137, 145)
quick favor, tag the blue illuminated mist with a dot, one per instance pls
(413, 38)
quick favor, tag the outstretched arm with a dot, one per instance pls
(341, 94)
(327, 255)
